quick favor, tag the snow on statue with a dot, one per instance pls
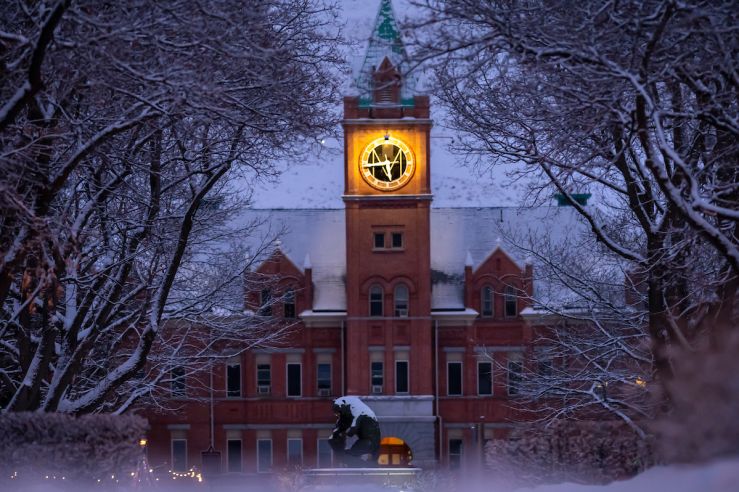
(355, 418)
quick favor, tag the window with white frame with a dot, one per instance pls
(294, 379)
(511, 302)
(378, 240)
(454, 378)
(401, 372)
(265, 303)
(325, 455)
(486, 304)
(515, 373)
(401, 300)
(179, 454)
(264, 455)
(377, 371)
(376, 300)
(484, 378)
(323, 378)
(295, 452)
(233, 451)
(233, 378)
(288, 304)
(455, 452)
(178, 382)
(264, 374)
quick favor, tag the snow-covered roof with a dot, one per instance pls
(455, 232)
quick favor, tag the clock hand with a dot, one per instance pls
(388, 168)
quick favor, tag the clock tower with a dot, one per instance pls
(387, 197)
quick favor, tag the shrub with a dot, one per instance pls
(570, 451)
(79, 448)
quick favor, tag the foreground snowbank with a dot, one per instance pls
(719, 476)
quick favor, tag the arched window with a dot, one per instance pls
(375, 300)
(289, 303)
(486, 304)
(511, 299)
(401, 301)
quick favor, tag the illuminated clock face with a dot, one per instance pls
(387, 163)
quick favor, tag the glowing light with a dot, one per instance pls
(640, 382)
(142, 442)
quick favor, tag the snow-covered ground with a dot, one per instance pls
(719, 476)
(317, 180)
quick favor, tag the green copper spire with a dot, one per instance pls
(385, 42)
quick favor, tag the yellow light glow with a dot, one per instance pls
(142, 442)
(640, 382)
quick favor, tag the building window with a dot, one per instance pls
(289, 304)
(233, 380)
(401, 376)
(179, 389)
(511, 309)
(376, 368)
(233, 448)
(264, 379)
(294, 452)
(487, 301)
(401, 301)
(515, 370)
(179, 455)
(323, 377)
(545, 362)
(264, 455)
(376, 300)
(294, 379)
(265, 303)
(397, 240)
(455, 453)
(379, 240)
(484, 378)
(325, 456)
(454, 378)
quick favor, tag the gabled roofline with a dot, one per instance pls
(490, 255)
(278, 249)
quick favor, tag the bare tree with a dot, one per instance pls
(590, 354)
(634, 102)
(131, 133)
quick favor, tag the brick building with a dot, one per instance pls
(416, 309)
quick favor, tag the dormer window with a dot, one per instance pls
(289, 304)
(265, 303)
(511, 301)
(486, 304)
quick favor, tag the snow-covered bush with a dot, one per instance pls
(581, 452)
(88, 447)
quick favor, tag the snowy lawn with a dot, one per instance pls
(719, 476)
